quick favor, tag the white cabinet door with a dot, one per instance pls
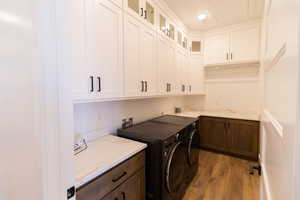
(143, 10)
(104, 24)
(245, 45)
(80, 71)
(98, 73)
(132, 54)
(182, 69)
(172, 69)
(150, 10)
(197, 75)
(134, 7)
(149, 61)
(163, 66)
(186, 69)
(217, 49)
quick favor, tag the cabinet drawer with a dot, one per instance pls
(104, 184)
(132, 189)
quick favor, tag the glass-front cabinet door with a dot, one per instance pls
(134, 6)
(162, 23)
(179, 38)
(196, 47)
(150, 12)
(171, 31)
(143, 10)
(185, 43)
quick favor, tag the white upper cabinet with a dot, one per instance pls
(233, 47)
(182, 63)
(244, 45)
(163, 66)
(217, 49)
(140, 59)
(149, 60)
(143, 10)
(132, 70)
(197, 75)
(102, 71)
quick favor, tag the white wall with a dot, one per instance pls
(20, 143)
(279, 123)
(241, 97)
(230, 88)
(97, 119)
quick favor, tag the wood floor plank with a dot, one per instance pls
(222, 177)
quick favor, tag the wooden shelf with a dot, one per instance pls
(232, 80)
(232, 65)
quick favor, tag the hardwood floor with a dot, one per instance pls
(223, 177)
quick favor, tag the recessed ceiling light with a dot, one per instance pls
(202, 16)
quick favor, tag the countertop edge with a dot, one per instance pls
(101, 171)
(220, 115)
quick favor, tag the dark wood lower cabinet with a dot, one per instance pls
(124, 182)
(232, 136)
(132, 189)
(213, 134)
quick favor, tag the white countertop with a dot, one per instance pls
(102, 155)
(223, 114)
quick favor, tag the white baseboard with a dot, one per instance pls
(265, 182)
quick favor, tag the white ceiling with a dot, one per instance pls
(221, 12)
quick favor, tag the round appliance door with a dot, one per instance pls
(175, 168)
(193, 147)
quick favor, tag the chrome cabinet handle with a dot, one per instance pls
(145, 14)
(231, 56)
(142, 13)
(227, 56)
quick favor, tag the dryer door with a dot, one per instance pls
(175, 168)
(193, 147)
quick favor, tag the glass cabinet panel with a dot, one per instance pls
(179, 38)
(134, 5)
(150, 13)
(162, 23)
(172, 32)
(196, 46)
(184, 44)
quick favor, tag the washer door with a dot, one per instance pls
(175, 168)
(193, 147)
